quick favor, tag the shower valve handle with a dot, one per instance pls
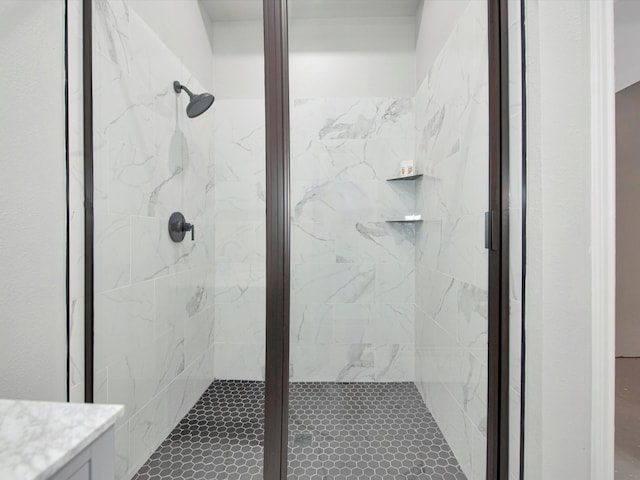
(186, 227)
(178, 227)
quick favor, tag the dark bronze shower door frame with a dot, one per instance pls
(278, 234)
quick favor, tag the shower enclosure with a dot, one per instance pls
(270, 293)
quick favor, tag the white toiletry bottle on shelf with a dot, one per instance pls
(410, 168)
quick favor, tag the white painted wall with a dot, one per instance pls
(32, 201)
(182, 26)
(559, 367)
(238, 60)
(627, 37)
(334, 57)
(435, 21)
(352, 57)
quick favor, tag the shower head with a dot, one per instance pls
(198, 104)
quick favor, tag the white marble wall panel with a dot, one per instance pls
(451, 263)
(155, 299)
(240, 239)
(353, 274)
(344, 255)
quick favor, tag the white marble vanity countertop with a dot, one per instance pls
(39, 438)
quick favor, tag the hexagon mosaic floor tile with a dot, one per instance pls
(337, 431)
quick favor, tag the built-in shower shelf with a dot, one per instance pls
(404, 179)
(405, 221)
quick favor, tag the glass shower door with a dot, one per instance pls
(179, 213)
(389, 272)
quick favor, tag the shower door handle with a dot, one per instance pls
(491, 235)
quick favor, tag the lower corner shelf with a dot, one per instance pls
(405, 221)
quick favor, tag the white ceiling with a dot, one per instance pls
(232, 10)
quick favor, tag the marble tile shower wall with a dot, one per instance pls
(451, 315)
(154, 305)
(240, 239)
(352, 274)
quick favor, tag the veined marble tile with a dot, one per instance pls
(310, 203)
(354, 324)
(349, 159)
(241, 242)
(123, 456)
(394, 363)
(169, 359)
(361, 201)
(341, 363)
(240, 201)
(479, 454)
(154, 254)
(183, 393)
(148, 428)
(395, 283)
(438, 298)
(474, 194)
(111, 29)
(240, 283)
(131, 381)
(239, 362)
(394, 324)
(459, 241)
(472, 319)
(313, 242)
(239, 141)
(200, 374)
(112, 252)
(334, 118)
(182, 296)
(368, 242)
(240, 323)
(170, 305)
(452, 264)
(468, 385)
(334, 283)
(124, 322)
(101, 386)
(454, 424)
(154, 337)
(311, 324)
(316, 162)
(428, 242)
(386, 155)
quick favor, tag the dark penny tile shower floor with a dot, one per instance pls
(336, 431)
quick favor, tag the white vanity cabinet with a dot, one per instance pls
(57, 441)
(96, 462)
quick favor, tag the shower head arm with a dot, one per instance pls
(177, 87)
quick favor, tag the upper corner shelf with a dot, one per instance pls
(400, 179)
